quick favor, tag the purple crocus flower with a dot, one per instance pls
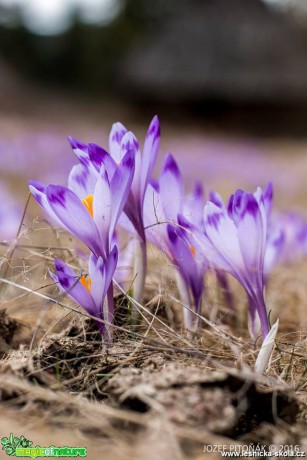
(274, 249)
(92, 210)
(235, 241)
(92, 157)
(275, 237)
(122, 140)
(89, 210)
(294, 229)
(191, 273)
(90, 291)
(164, 200)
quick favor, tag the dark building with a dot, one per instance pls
(233, 50)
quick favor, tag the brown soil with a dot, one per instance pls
(153, 394)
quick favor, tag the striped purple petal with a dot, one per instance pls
(216, 199)
(150, 152)
(80, 150)
(130, 143)
(99, 157)
(120, 187)
(70, 284)
(252, 236)
(97, 276)
(102, 209)
(268, 199)
(110, 266)
(171, 189)
(184, 258)
(82, 181)
(117, 132)
(74, 217)
(39, 193)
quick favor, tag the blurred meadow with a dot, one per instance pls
(228, 80)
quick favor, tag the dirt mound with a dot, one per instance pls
(133, 397)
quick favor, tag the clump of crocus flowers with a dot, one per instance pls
(114, 187)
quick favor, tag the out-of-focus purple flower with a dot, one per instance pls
(274, 249)
(35, 153)
(89, 210)
(90, 291)
(219, 159)
(294, 228)
(287, 240)
(10, 215)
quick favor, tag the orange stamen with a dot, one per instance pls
(193, 250)
(86, 282)
(88, 203)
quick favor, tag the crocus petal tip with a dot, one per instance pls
(154, 127)
(171, 165)
(75, 143)
(129, 142)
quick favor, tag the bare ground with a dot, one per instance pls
(155, 393)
